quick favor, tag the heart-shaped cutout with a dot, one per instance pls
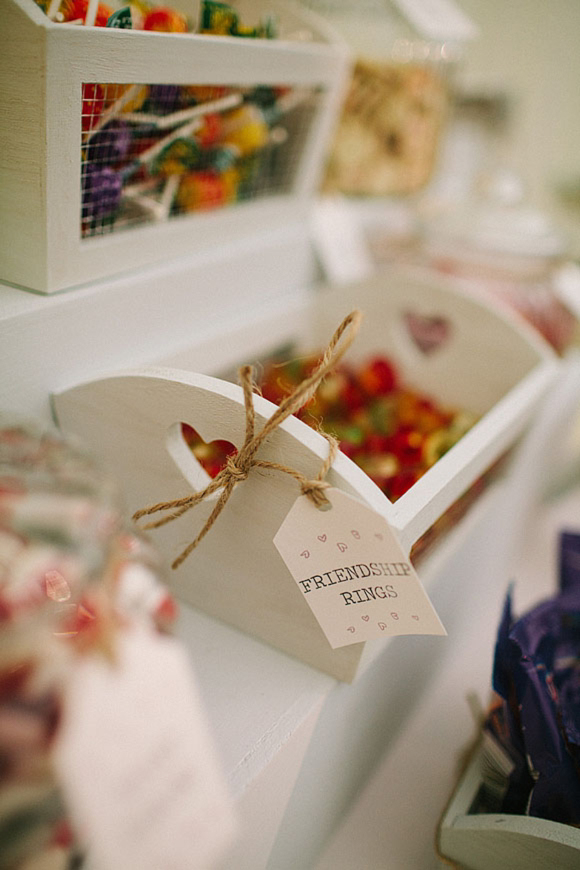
(211, 455)
(428, 333)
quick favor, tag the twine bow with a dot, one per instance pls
(238, 466)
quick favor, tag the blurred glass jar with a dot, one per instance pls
(396, 106)
(71, 576)
(500, 248)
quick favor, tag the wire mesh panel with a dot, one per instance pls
(154, 152)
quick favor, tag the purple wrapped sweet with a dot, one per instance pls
(101, 191)
(110, 144)
(164, 98)
(537, 674)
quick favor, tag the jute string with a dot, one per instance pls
(238, 466)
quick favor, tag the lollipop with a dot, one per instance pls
(74, 10)
(101, 191)
(93, 104)
(110, 144)
(164, 98)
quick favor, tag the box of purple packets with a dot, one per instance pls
(518, 802)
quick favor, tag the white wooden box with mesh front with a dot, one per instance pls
(128, 148)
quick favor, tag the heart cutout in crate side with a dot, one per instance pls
(428, 332)
(211, 455)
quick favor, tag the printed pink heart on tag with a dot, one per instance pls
(351, 628)
(321, 538)
(305, 553)
(379, 536)
(342, 547)
(414, 617)
(381, 625)
(428, 333)
(366, 618)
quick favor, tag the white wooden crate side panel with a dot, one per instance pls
(50, 343)
(493, 365)
(487, 352)
(236, 573)
(474, 454)
(23, 163)
(94, 54)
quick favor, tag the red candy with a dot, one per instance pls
(210, 131)
(75, 9)
(393, 433)
(93, 103)
(377, 378)
(165, 20)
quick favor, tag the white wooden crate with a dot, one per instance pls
(496, 367)
(477, 841)
(43, 66)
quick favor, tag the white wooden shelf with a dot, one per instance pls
(297, 746)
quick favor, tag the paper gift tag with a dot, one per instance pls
(136, 764)
(353, 572)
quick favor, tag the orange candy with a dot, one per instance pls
(206, 189)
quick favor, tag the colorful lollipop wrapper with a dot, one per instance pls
(110, 144)
(101, 191)
(164, 98)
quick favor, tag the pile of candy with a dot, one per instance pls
(215, 18)
(532, 732)
(150, 152)
(71, 578)
(392, 432)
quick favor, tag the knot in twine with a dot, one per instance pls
(239, 465)
(235, 470)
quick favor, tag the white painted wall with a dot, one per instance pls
(528, 49)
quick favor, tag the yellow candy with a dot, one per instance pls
(246, 130)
